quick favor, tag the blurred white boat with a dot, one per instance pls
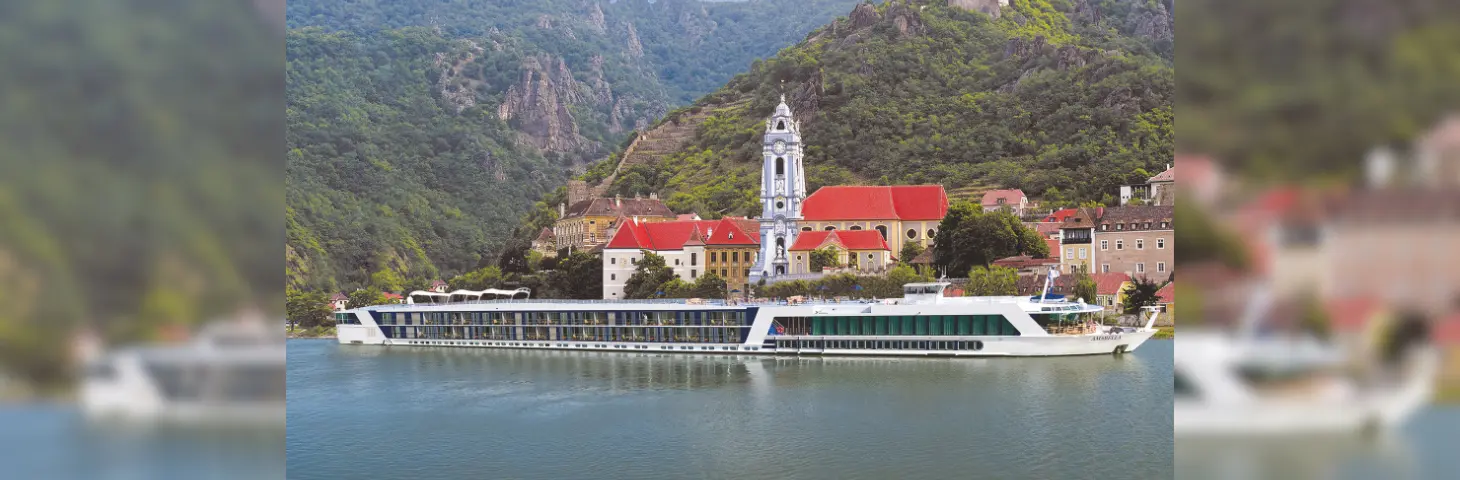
(1236, 385)
(231, 373)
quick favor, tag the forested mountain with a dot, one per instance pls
(1066, 100)
(420, 131)
(1312, 97)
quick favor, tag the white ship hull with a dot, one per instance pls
(927, 326)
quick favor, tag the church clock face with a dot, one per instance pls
(779, 147)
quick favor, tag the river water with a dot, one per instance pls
(426, 413)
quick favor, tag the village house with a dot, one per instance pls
(1110, 290)
(730, 249)
(863, 251)
(438, 286)
(1075, 243)
(545, 243)
(339, 301)
(1027, 265)
(1136, 241)
(1013, 199)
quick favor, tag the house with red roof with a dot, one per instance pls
(690, 248)
(1059, 216)
(1013, 199)
(394, 298)
(1166, 296)
(545, 243)
(902, 214)
(438, 286)
(1110, 290)
(339, 301)
(859, 250)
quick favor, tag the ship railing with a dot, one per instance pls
(653, 301)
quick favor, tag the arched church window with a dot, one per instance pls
(780, 124)
(882, 229)
(830, 227)
(805, 229)
(856, 227)
(912, 233)
(780, 166)
(780, 241)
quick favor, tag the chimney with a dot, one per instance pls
(653, 196)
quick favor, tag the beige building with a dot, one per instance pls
(901, 214)
(586, 223)
(1076, 247)
(863, 251)
(1136, 241)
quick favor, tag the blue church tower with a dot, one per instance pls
(782, 190)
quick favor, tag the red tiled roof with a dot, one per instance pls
(657, 236)
(1446, 332)
(1061, 215)
(438, 283)
(1022, 261)
(1054, 247)
(1108, 283)
(338, 296)
(545, 236)
(687, 216)
(393, 296)
(1167, 294)
(848, 239)
(695, 238)
(1011, 197)
(1167, 176)
(1351, 314)
(731, 231)
(905, 202)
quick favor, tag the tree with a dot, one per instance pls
(307, 309)
(992, 281)
(970, 237)
(514, 258)
(709, 285)
(580, 276)
(824, 257)
(648, 276)
(910, 251)
(367, 297)
(1314, 319)
(1141, 293)
(387, 280)
(1084, 285)
(479, 279)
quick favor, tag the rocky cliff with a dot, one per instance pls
(538, 104)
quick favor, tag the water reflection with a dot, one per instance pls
(648, 415)
(1309, 457)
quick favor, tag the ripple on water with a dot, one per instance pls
(455, 413)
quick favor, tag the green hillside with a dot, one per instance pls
(419, 132)
(1066, 100)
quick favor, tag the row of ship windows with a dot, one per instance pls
(973, 345)
(574, 345)
(900, 325)
(604, 334)
(666, 318)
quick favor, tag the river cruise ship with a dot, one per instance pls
(922, 323)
